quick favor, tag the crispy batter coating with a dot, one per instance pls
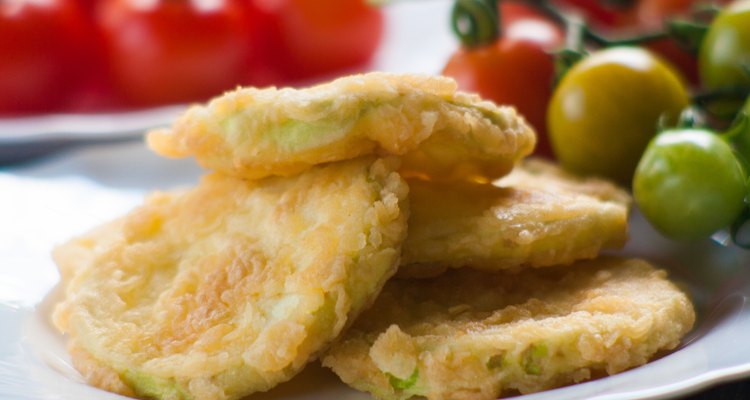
(439, 132)
(537, 216)
(233, 286)
(81, 251)
(471, 334)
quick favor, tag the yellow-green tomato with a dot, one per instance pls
(724, 59)
(689, 184)
(607, 108)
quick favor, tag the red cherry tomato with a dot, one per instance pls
(651, 13)
(167, 51)
(88, 6)
(313, 38)
(598, 13)
(516, 70)
(514, 10)
(686, 63)
(42, 44)
(641, 16)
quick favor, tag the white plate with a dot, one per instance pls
(45, 204)
(82, 127)
(48, 203)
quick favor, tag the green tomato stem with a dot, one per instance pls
(688, 34)
(724, 93)
(382, 3)
(575, 33)
(690, 118)
(578, 32)
(476, 23)
(565, 59)
(621, 4)
(740, 126)
(575, 22)
(603, 41)
(740, 230)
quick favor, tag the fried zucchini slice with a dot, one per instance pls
(537, 216)
(437, 131)
(470, 334)
(233, 286)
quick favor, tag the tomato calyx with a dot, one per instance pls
(706, 97)
(687, 34)
(475, 23)
(676, 33)
(688, 31)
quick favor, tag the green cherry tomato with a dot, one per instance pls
(607, 107)
(689, 184)
(724, 59)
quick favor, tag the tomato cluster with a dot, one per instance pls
(693, 181)
(640, 93)
(518, 67)
(84, 55)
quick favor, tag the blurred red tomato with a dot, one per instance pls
(88, 6)
(516, 70)
(599, 14)
(167, 51)
(313, 38)
(641, 16)
(650, 15)
(514, 10)
(43, 45)
(520, 21)
(686, 63)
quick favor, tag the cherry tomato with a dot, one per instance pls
(262, 65)
(689, 184)
(724, 59)
(639, 15)
(607, 107)
(94, 93)
(511, 11)
(516, 70)
(651, 13)
(686, 63)
(314, 38)
(520, 21)
(88, 6)
(599, 14)
(166, 51)
(41, 44)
